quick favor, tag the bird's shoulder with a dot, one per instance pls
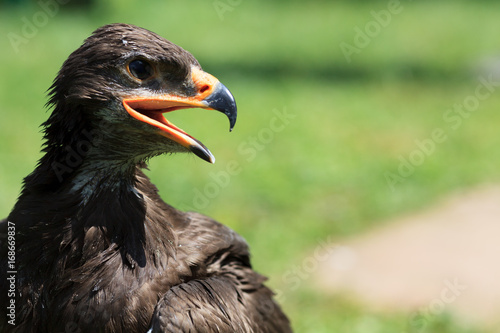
(201, 239)
(198, 238)
(224, 294)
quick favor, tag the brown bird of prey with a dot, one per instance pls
(90, 246)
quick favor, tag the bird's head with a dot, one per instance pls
(121, 82)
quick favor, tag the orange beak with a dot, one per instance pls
(211, 94)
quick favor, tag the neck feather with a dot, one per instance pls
(96, 213)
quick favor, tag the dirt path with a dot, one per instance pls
(444, 259)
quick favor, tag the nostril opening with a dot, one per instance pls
(204, 88)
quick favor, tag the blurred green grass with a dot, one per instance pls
(323, 174)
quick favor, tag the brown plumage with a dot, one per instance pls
(97, 250)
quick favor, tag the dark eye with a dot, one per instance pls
(140, 69)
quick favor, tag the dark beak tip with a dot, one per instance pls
(232, 118)
(222, 100)
(203, 153)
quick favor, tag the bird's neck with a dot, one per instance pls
(79, 188)
(93, 177)
(98, 211)
(85, 167)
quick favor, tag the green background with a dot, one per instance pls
(353, 120)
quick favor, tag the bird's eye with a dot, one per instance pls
(140, 69)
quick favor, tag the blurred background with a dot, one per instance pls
(352, 114)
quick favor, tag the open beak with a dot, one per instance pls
(211, 95)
